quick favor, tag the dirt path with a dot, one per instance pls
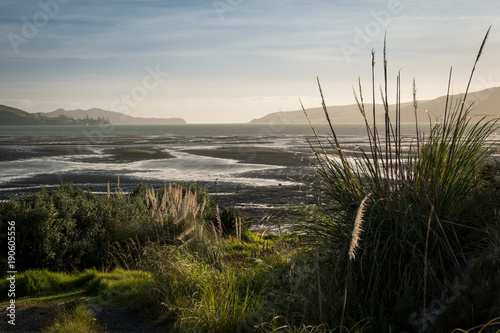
(34, 318)
(116, 320)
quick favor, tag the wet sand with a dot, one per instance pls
(12, 154)
(256, 203)
(135, 154)
(254, 155)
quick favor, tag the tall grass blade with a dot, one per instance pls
(468, 85)
(439, 180)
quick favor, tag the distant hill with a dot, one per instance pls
(116, 118)
(12, 116)
(485, 102)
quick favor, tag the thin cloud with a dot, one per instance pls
(256, 48)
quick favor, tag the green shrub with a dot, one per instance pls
(68, 228)
(63, 228)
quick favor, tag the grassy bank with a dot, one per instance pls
(210, 279)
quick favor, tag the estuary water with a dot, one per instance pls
(269, 164)
(258, 168)
(166, 153)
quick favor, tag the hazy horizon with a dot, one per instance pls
(230, 61)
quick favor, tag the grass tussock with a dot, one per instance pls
(74, 318)
(426, 207)
(174, 205)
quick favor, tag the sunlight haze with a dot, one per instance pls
(233, 61)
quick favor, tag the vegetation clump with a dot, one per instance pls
(427, 209)
(68, 228)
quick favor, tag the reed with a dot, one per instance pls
(440, 174)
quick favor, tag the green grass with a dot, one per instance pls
(235, 287)
(223, 305)
(74, 318)
(123, 287)
(132, 290)
(127, 288)
(201, 295)
(43, 282)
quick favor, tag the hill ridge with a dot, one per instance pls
(484, 102)
(10, 116)
(116, 118)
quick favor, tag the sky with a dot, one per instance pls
(229, 61)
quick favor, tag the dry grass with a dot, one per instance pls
(175, 205)
(356, 233)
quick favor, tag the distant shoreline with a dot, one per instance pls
(17, 117)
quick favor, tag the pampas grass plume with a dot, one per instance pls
(358, 227)
(358, 222)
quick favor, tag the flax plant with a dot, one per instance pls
(438, 174)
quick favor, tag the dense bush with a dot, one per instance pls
(68, 228)
(62, 228)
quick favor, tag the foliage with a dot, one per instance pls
(68, 228)
(427, 207)
(478, 303)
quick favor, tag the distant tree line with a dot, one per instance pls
(65, 120)
(17, 117)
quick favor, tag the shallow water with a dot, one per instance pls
(263, 159)
(54, 152)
